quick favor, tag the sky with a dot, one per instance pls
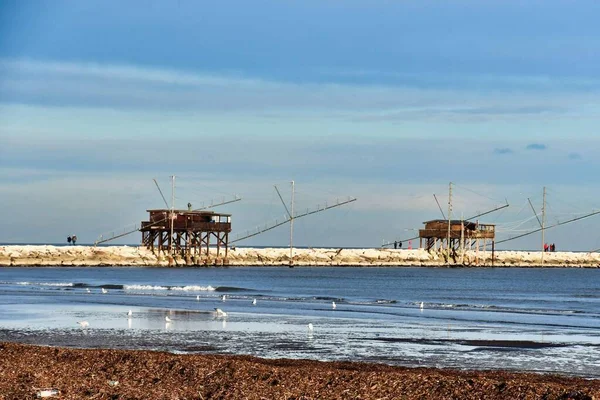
(385, 101)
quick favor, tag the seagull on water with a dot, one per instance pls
(167, 318)
(254, 302)
(421, 306)
(310, 327)
(198, 297)
(220, 313)
(333, 305)
(83, 324)
(130, 313)
(104, 291)
(224, 297)
(88, 290)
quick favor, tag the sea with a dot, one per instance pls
(537, 320)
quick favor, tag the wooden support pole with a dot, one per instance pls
(188, 249)
(208, 246)
(218, 244)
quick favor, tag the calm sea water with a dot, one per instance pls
(543, 320)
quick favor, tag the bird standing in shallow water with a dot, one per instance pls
(167, 318)
(310, 327)
(220, 313)
(333, 305)
(130, 313)
(254, 302)
(421, 306)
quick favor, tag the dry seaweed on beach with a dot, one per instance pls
(135, 374)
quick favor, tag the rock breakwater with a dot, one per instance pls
(42, 255)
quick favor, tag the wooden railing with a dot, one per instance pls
(188, 225)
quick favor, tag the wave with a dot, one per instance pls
(479, 344)
(58, 284)
(232, 289)
(587, 296)
(112, 286)
(190, 288)
(501, 309)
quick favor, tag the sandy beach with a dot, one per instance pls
(42, 255)
(27, 370)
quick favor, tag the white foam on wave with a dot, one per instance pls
(144, 287)
(182, 288)
(45, 283)
(194, 288)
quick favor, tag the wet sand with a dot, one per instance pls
(26, 370)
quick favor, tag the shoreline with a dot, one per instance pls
(139, 374)
(131, 256)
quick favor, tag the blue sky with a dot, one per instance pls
(387, 101)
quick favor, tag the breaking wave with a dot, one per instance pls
(190, 288)
(58, 284)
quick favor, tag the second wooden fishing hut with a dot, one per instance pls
(457, 234)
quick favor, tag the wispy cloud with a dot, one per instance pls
(503, 150)
(499, 82)
(536, 146)
(131, 87)
(127, 73)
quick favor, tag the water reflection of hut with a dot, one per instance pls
(188, 234)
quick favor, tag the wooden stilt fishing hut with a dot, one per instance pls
(457, 234)
(188, 234)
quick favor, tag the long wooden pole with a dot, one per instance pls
(462, 240)
(543, 223)
(449, 219)
(172, 212)
(292, 227)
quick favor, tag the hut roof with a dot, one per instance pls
(201, 212)
(455, 222)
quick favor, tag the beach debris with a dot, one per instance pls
(83, 324)
(255, 378)
(47, 393)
